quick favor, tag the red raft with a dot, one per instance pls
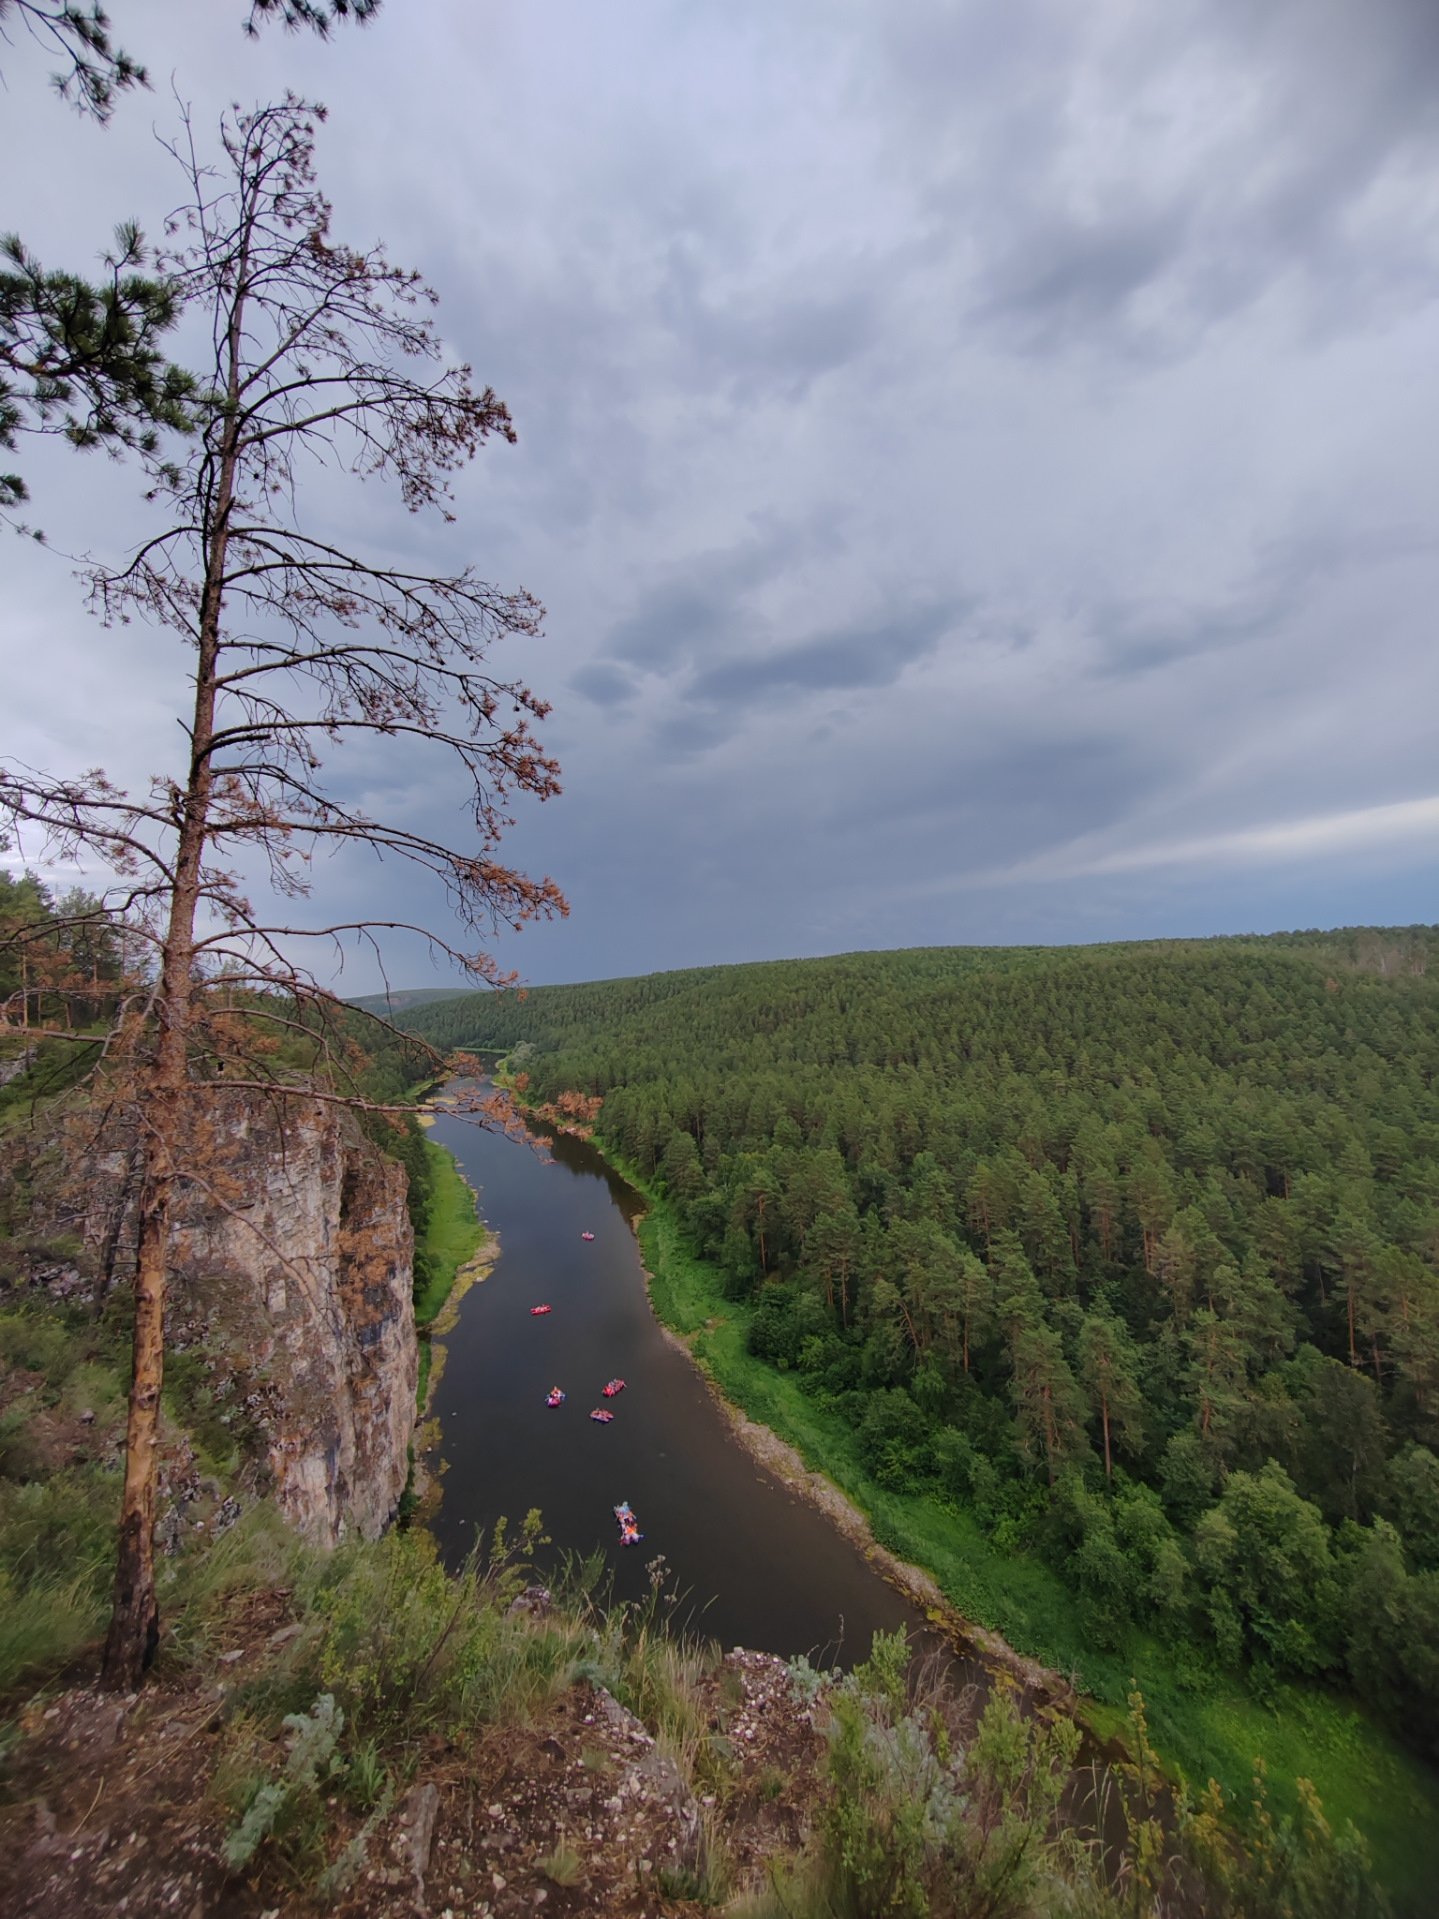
(535, 1311)
(602, 1416)
(615, 1386)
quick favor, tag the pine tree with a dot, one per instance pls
(296, 645)
(78, 357)
(1109, 1372)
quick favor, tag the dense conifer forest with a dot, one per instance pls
(1128, 1251)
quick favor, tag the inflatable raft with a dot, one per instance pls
(630, 1534)
(554, 1397)
(535, 1311)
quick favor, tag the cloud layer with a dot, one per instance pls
(958, 445)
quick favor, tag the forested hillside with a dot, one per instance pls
(1129, 1251)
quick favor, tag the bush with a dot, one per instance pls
(407, 1644)
(787, 1320)
(1413, 1502)
(57, 1527)
(1393, 1648)
(894, 1441)
(1273, 1588)
(918, 1825)
(1081, 1523)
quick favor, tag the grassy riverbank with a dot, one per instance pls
(453, 1235)
(1205, 1722)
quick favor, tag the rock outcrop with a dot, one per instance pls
(291, 1279)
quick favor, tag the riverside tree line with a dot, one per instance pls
(1131, 1252)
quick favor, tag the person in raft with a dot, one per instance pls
(554, 1397)
(630, 1534)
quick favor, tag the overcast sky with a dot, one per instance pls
(981, 460)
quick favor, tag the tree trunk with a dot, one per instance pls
(135, 1621)
(1104, 1414)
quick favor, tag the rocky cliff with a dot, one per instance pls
(291, 1285)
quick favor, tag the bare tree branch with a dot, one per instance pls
(323, 358)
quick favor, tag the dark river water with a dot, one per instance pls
(755, 1565)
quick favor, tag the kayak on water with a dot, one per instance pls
(586, 1235)
(554, 1397)
(602, 1416)
(630, 1534)
(615, 1386)
(535, 1311)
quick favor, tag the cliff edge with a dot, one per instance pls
(292, 1284)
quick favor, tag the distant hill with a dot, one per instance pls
(545, 1013)
(401, 1000)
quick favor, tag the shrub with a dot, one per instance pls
(894, 1441)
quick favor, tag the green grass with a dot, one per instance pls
(454, 1234)
(1204, 1721)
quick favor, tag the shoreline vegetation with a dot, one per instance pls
(460, 1250)
(999, 1610)
(764, 1445)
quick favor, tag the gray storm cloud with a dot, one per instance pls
(978, 460)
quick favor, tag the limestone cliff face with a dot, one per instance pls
(291, 1274)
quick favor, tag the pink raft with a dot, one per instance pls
(601, 1416)
(535, 1311)
(554, 1397)
(615, 1386)
(586, 1235)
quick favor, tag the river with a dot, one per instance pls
(754, 1564)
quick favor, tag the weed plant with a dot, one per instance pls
(926, 1815)
(392, 1648)
(931, 1818)
(57, 1529)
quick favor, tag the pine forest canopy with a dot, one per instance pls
(1130, 1251)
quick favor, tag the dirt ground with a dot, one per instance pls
(108, 1806)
